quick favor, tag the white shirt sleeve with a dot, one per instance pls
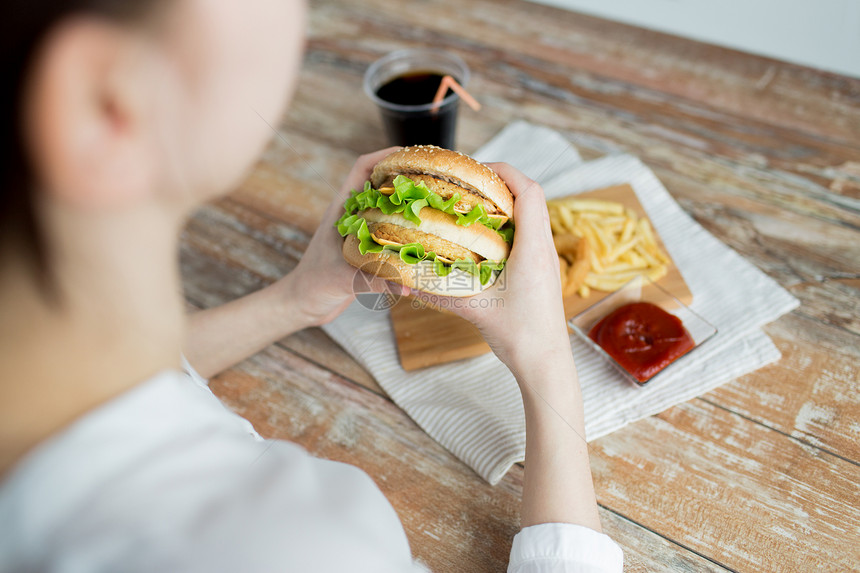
(564, 548)
(192, 373)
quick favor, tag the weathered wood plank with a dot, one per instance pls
(755, 87)
(791, 247)
(722, 175)
(808, 394)
(595, 120)
(715, 159)
(519, 86)
(454, 520)
(751, 499)
(214, 275)
(313, 344)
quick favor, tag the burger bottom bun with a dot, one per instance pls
(420, 276)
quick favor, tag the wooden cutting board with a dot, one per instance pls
(427, 337)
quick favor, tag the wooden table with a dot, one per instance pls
(759, 475)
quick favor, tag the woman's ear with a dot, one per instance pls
(86, 108)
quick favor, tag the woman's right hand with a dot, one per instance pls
(521, 316)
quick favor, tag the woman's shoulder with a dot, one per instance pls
(164, 477)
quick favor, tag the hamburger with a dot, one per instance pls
(432, 219)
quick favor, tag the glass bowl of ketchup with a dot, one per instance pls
(644, 331)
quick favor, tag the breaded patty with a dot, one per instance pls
(445, 189)
(402, 235)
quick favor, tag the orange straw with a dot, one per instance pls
(449, 82)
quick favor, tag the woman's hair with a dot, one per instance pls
(23, 27)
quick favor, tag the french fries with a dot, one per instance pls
(574, 261)
(602, 245)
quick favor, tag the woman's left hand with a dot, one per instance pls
(321, 286)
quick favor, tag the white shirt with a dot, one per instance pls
(165, 478)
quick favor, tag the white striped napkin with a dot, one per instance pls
(473, 408)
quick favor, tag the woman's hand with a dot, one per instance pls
(521, 316)
(317, 290)
(321, 286)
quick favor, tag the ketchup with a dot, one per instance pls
(642, 338)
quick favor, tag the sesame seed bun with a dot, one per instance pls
(447, 165)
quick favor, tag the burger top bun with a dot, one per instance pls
(449, 165)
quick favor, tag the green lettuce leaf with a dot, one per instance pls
(441, 268)
(478, 214)
(487, 268)
(356, 225)
(413, 253)
(409, 198)
(468, 266)
(507, 233)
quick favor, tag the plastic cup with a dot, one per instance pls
(417, 124)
